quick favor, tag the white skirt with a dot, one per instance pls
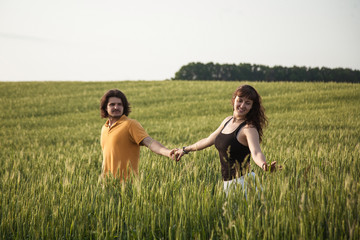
(241, 180)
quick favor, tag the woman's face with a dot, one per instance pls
(242, 106)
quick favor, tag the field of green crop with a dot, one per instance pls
(50, 159)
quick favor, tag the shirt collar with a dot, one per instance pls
(121, 119)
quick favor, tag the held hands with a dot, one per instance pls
(172, 153)
(176, 154)
(179, 153)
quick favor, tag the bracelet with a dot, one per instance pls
(184, 151)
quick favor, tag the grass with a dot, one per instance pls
(51, 162)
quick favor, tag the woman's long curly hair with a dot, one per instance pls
(256, 116)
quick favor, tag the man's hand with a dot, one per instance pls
(172, 154)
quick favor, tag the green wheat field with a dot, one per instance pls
(50, 159)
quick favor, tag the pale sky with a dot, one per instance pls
(150, 40)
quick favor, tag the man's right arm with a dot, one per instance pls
(157, 147)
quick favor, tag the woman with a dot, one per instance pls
(237, 137)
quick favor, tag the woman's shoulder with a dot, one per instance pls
(250, 125)
(226, 120)
(250, 129)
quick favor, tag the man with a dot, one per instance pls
(121, 137)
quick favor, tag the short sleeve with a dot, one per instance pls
(137, 132)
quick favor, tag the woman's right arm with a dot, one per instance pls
(203, 143)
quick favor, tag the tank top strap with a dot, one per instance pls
(239, 128)
(227, 122)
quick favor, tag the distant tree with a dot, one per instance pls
(259, 72)
(297, 74)
(314, 74)
(193, 71)
(326, 74)
(246, 71)
(280, 73)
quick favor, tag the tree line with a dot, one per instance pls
(254, 72)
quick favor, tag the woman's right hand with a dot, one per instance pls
(178, 154)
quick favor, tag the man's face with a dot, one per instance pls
(115, 107)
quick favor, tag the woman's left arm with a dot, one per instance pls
(252, 137)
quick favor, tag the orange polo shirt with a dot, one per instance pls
(121, 147)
